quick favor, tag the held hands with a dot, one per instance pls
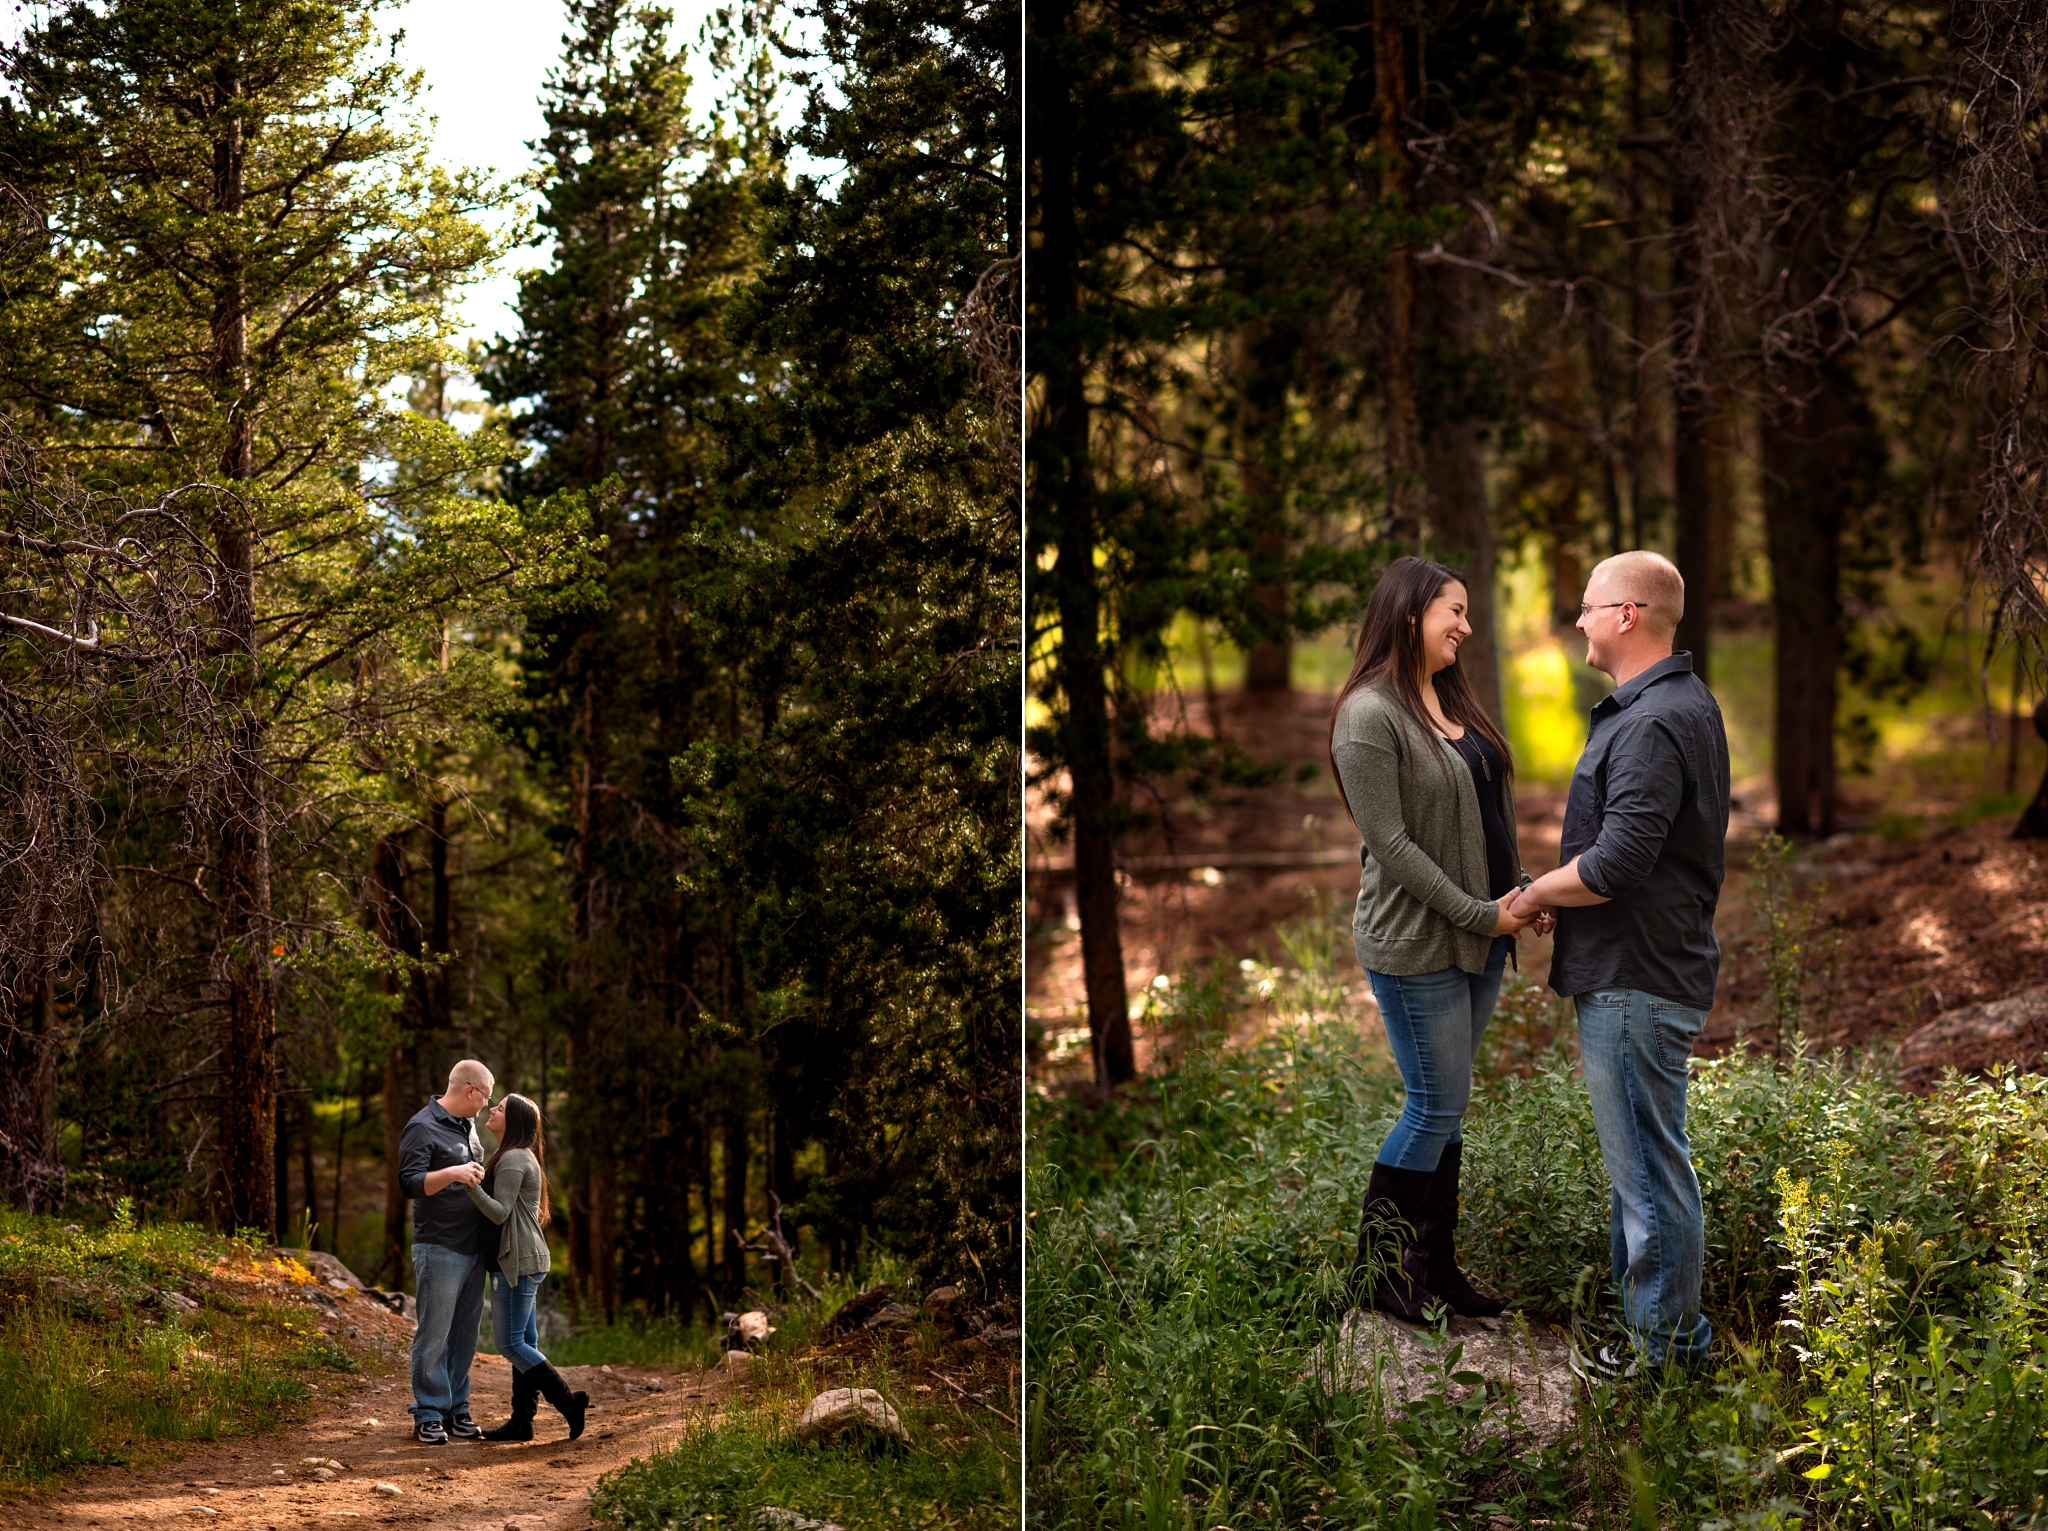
(1518, 914)
(471, 1173)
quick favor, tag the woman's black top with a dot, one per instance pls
(1489, 776)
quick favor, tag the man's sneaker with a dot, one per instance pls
(429, 1432)
(463, 1428)
(1602, 1351)
(1600, 1364)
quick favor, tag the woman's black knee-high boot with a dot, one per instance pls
(571, 1406)
(1385, 1274)
(1436, 1240)
(525, 1404)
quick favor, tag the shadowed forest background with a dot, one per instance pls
(1517, 287)
(629, 702)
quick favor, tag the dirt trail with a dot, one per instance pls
(256, 1482)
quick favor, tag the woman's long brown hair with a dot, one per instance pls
(1390, 651)
(522, 1130)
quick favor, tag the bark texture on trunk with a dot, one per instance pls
(248, 1028)
(1094, 807)
(735, 1203)
(391, 917)
(1809, 446)
(31, 1040)
(1691, 407)
(1454, 466)
(1397, 384)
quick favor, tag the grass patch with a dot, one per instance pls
(1872, 1273)
(958, 1470)
(660, 1343)
(101, 1358)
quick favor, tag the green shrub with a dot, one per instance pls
(958, 1470)
(96, 1364)
(1871, 1273)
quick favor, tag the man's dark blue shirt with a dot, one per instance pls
(433, 1140)
(1648, 818)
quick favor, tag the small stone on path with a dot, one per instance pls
(841, 1409)
(388, 1488)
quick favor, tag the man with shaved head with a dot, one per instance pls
(1644, 849)
(437, 1156)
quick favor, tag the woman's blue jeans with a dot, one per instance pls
(1434, 1022)
(514, 1329)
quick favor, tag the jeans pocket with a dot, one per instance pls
(1675, 1030)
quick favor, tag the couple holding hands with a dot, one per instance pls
(1428, 779)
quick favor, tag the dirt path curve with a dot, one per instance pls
(254, 1483)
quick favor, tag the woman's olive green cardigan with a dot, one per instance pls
(522, 1250)
(1422, 889)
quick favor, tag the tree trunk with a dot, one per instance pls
(392, 1266)
(1397, 383)
(1094, 807)
(735, 1203)
(391, 917)
(1691, 406)
(1807, 469)
(1454, 464)
(580, 1282)
(437, 990)
(243, 967)
(31, 1169)
(306, 1168)
(280, 1166)
(1269, 666)
(1639, 318)
(604, 1235)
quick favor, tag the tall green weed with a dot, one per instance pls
(102, 1356)
(1871, 1271)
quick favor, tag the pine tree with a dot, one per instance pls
(619, 355)
(245, 244)
(863, 596)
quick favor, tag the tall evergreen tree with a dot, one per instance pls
(245, 243)
(863, 596)
(619, 354)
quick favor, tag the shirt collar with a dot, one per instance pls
(1679, 663)
(460, 1124)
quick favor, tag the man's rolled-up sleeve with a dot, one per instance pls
(415, 1157)
(1645, 786)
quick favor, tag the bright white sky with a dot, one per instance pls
(485, 65)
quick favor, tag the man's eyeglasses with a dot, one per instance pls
(1585, 609)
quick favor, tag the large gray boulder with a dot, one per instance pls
(1532, 1396)
(1974, 1038)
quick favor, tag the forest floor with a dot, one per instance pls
(1924, 910)
(350, 1445)
(262, 1481)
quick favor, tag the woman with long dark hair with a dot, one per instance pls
(1428, 779)
(514, 1195)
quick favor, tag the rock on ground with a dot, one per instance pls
(841, 1409)
(1522, 1359)
(774, 1518)
(1977, 1037)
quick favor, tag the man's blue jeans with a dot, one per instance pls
(448, 1305)
(1434, 1022)
(514, 1328)
(1635, 1049)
